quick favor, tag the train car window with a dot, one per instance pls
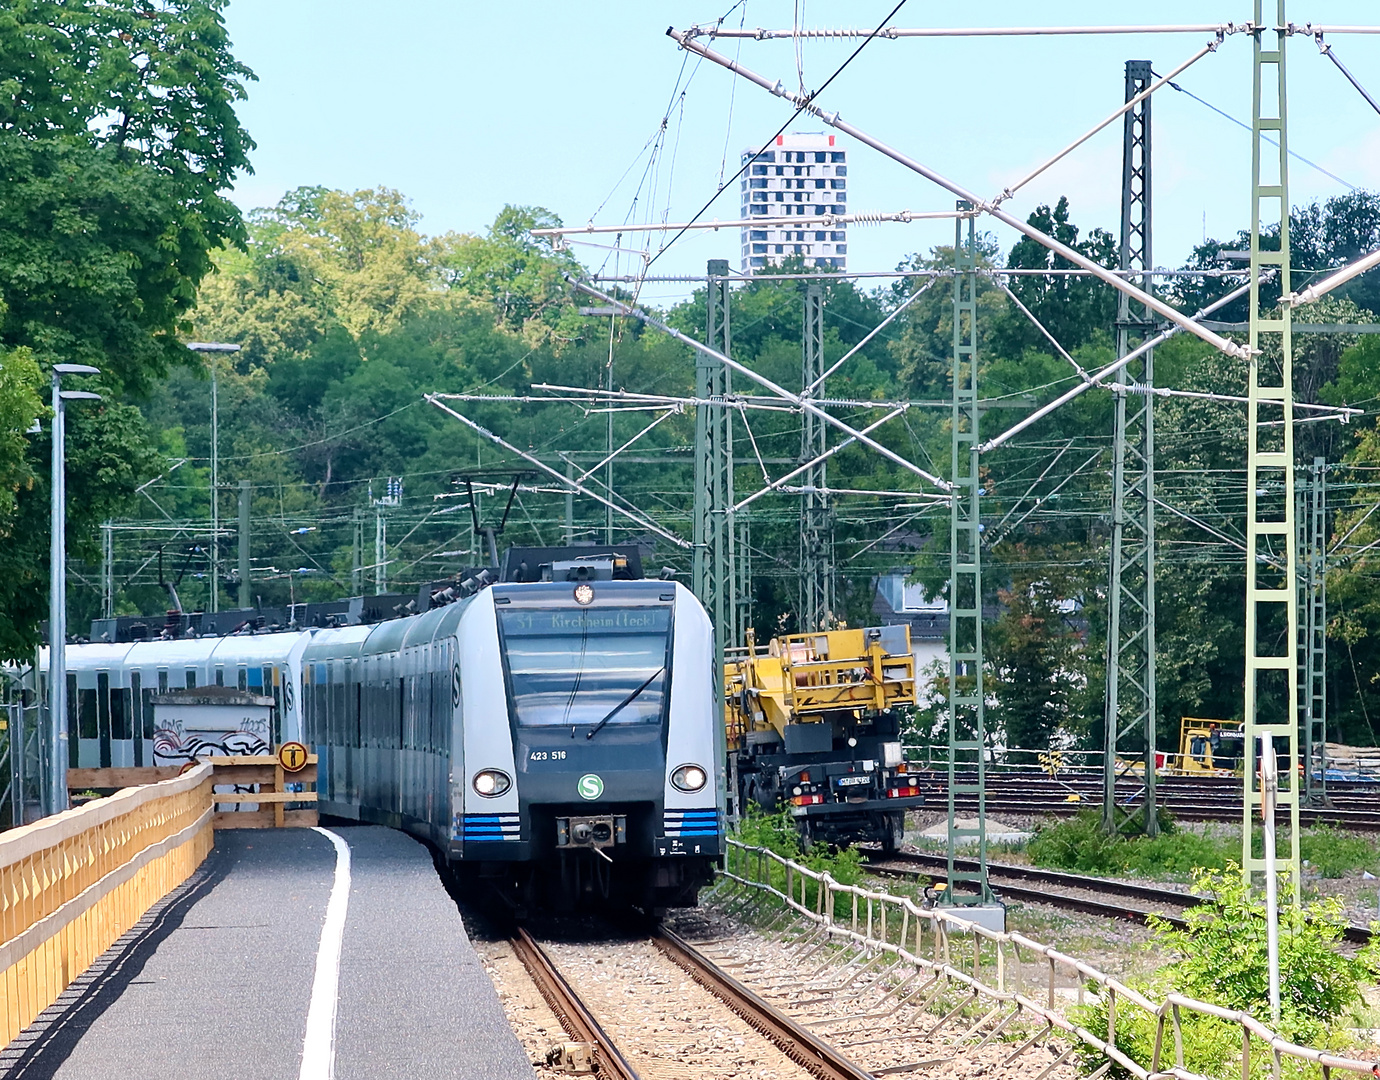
(136, 715)
(321, 698)
(74, 707)
(191, 678)
(277, 678)
(402, 712)
(412, 705)
(163, 681)
(220, 675)
(120, 726)
(440, 700)
(103, 716)
(319, 721)
(423, 732)
(86, 714)
(243, 678)
(352, 733)
(568, 668)
(334, 718)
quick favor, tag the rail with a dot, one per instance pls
(71, 884)
(793, 1039)
(900, 927)
(905, 864)
(569, 1009)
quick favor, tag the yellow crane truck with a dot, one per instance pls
(814, 724)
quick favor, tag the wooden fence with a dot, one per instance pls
(72, 884)
(272, 796)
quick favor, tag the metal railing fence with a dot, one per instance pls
(928, 938)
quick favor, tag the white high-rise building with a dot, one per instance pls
(802, 178)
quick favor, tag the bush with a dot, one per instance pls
(776, 832)
(1078, 843)
(1179, 853)
(1221, 959)
(1333, 853)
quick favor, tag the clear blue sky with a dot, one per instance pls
(466, 106)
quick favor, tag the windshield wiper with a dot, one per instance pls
(625, 702)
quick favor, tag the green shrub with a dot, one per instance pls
(1221, 958)
(1333, 853)
(1078, 843)
(776, 832)
(1179, 853)
(1133, 824)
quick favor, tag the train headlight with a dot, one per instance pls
(584, 593)
(491, 783)
(689, 778)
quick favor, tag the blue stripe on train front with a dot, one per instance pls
(692, 822)
(490, 827)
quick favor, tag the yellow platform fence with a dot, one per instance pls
(72, 884)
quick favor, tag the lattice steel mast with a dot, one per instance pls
(1271, 704)
(1129, 704)
(714, 577)
(1314, 654)
(967, 719)
(816, 524)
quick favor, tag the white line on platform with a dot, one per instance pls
(318, 1048)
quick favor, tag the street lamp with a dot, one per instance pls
(214, 347)
(57, 596)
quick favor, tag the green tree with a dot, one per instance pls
(519, 274)
(1073, 308)
(20, 406)
(118, 141)
(1033, 650)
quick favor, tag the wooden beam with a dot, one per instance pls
(81, 779)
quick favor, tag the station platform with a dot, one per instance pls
(221, 978)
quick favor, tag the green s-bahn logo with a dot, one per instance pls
(590, 786)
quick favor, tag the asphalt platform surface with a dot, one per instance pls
(216, 980)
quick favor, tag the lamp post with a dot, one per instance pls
(57, 596)
(214, 348)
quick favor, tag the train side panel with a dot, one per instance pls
(693, 820)
(489, 826)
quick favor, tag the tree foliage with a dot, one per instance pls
(1220, 957)
(348, 312)
(118, 142)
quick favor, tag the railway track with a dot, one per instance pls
(799, 1044)
(577, 1020)
(1355, 805)
(1111, 899)
(793, 1041)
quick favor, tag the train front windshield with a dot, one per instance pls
(586, 666)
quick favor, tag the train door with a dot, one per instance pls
(454, 776)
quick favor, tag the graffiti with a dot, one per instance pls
(174, 745)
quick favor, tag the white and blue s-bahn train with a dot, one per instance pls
(559, 737)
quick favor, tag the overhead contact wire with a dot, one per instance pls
(805, 104)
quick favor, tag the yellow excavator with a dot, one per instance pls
(813, 723)
(1209, 747)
